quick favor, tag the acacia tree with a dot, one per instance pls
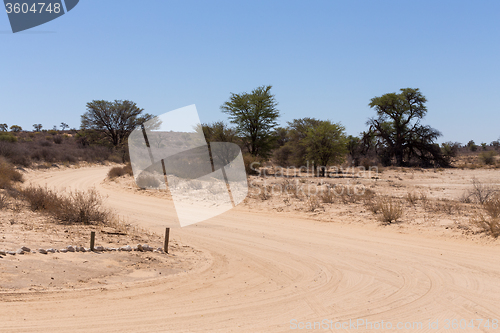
(115, 119)
(4, 127)
(37, 127)
(398, 126)
(297, 131)
(325, 144)
(16, 128)
(254, 115)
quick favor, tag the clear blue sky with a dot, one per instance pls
(325, 59)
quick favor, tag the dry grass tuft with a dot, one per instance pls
(78, 207)
(313, 203)
(412, 198)
(489, 222)
(390, 209)
(3, 201)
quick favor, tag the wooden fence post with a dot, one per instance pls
(167, 235)
(92, 240)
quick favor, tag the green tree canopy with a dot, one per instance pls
(397, 124)
(254, 115)
(16, 128)
(116, 119)
(325, 144)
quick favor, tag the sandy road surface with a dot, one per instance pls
(266, 270)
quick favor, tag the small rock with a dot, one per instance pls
(86, 249)
(63, 250)
(26, 249)
(99, 248)
(51, 251)
(126, 248)
(70, 248)
(20, 251)
(42, 251)
(3, 252)
(11, 253)
(146, 247)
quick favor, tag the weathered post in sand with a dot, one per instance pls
(167, 235)
(92, 240)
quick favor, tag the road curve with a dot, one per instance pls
(272, 273)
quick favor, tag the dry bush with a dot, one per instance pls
(3, 201)
(373, 205)
(390, 210)
(488, 157)
(77, 207)
(447, 206)
(82, 207)
(479, 193)
(196, 185)
(489, 220)
(58, 139)
(147, 180)
(313, 203)
(327, 196)
(492, 207)
(8, 175)
(264, 193)
(352, 194)
(128, 170)
(115, 172)
(252, 164)
(487, 224)
(412, 198)
(39, 198)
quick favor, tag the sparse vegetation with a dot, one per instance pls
(313, 203)
(116, 172)
(488, 157)
(488, 221)
(146, 180)
(77, 207)
(8, 174)
(390, 210)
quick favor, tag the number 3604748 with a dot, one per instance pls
(36, 8)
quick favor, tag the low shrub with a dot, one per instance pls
(8, 174)
(313, 203)
(77, 207)
(487, 157)
(3, 201)
(412, 198)
(390, 209)
(252, 164)
(7, 137)
(116, 172)
(147, 180)
(58, 139)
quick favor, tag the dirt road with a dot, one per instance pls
(274, 273)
